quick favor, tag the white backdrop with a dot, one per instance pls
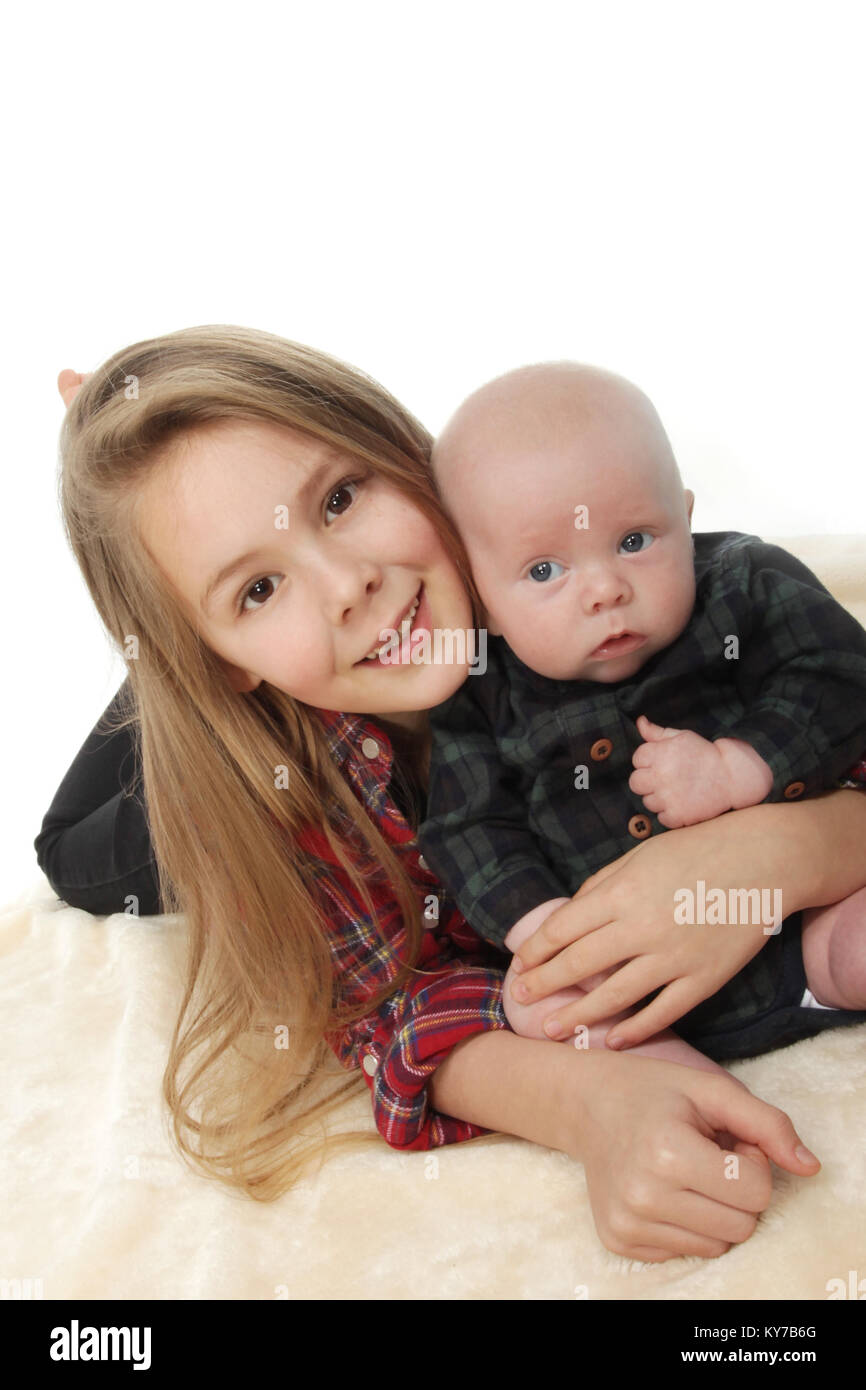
(435, 193)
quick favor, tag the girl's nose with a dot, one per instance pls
(344, 584)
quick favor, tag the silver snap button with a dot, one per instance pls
(370, 748)
(370, 1064)
(422, 862)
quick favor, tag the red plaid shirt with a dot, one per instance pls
(399, 1045)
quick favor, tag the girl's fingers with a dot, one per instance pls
(735, 1109)
(623, 988)
(711, 1203)
(741, 1181)
(711, 1219)
(650, 1254)
(676, 999)
(679, 1240)
(562, 928)
(574, 964)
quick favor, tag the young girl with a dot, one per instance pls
(250, 516)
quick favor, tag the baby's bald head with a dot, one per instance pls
(565, 489)
(488, 446)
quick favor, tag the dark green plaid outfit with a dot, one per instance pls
(509, 827)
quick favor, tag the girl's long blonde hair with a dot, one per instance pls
(245, 1107)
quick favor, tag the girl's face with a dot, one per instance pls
(295, 560)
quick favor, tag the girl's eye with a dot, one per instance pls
(636, 541)
(248, 592)
(544, 570)
(342, 489)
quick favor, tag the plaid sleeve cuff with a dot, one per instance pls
(796, 755)
(436, 1015)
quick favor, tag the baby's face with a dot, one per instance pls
(580, 546)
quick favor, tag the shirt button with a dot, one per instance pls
(600, 750)
(422, 862)
(370, 1064)
(639, 827)
(370, 748)
(794, 789)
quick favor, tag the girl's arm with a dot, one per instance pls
(812, 852)
(94, 846)
(658, 1184)
(821, 846)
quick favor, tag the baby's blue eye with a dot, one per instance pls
(636, 541)
(546, 567)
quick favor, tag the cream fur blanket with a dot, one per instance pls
(97, 1204)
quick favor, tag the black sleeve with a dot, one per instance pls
(94, 846)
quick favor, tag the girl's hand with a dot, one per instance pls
(69, 383)
(658, 1184)
(624, 916)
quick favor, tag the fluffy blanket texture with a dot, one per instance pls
(99, 1205)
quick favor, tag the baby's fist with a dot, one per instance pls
(681, 777)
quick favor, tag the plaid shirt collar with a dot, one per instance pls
(364, 753)
(346, 733)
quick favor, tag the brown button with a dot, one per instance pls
(794, 789)
(600, 750)
(639, 827)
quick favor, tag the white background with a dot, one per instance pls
(435, 193)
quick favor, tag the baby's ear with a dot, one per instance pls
(690, 502)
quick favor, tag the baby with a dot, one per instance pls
(639, 678)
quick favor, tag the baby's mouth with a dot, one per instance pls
(619, 645)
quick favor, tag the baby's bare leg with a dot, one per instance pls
(834, 952)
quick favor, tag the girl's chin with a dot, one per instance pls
(422, 685)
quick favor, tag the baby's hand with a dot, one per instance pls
(686, 779)
(681, 777)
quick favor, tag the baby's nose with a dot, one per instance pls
(604, 591)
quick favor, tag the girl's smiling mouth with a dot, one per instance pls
(412, 619)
